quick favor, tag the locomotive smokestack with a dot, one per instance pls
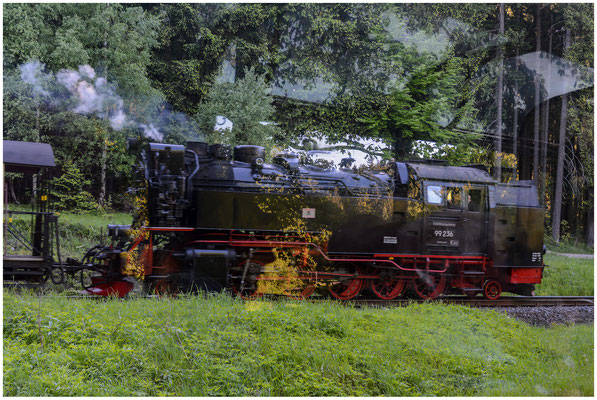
(132, 145)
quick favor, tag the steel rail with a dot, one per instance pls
(505, 301)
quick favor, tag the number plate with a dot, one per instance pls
(308, 213)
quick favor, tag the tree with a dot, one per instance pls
(499, 100)
(247, 104)
(536, 124)
(68, 192)
(557, 204)
(115, 39)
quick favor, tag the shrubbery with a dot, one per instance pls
(68, 190)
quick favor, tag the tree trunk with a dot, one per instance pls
(499, 99)
(589, 229)
(545, 128)
(11, 183)
(34, 177)
(557, 198)
(515, 121)
(104, 159)
(537, 100)
(102, 194)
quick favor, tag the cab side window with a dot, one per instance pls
(454, 198)
(475, 200)
(434, 195)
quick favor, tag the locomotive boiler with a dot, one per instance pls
(213, 217)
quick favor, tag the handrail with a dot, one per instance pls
(21, 239)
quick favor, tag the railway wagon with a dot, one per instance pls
(214, 217)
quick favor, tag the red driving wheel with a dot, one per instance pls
(429, 286)
(389, 285)
(349, 287)
(492, 290)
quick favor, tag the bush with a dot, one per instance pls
(68, 191)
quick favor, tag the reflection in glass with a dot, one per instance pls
(434, 195)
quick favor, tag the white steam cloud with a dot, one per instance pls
(93, 96)
(151, 132)
(31, 74)
(89, 94)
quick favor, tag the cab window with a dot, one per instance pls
(454, 198)
(435, 195)
(475, 200)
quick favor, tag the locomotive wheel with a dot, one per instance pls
(492, 290)
(348, 287)
(249, 292)
(389, 285)
(429, 286)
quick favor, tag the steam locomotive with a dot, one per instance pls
(211, 217)
(217, 217)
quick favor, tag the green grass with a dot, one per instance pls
(217, 345)
(78, 232)
(567, 276)
(567, 246)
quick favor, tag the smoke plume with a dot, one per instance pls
(88, 95)
(31, 74)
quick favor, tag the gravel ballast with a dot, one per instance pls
(546, 316)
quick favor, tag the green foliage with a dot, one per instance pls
(246, 103)
(68, 192)
(417, 109)
(567, 276)
(401, 72)
(571, 245)
(145, 347)
(78, 231)
(116, 38)
(579, 18)
(117, 41)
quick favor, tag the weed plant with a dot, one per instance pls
(217, 345)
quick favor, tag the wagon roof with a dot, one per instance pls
(27, 156)
(449, 173)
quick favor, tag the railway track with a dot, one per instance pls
(505, 301)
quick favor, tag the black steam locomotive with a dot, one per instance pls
(216, 217)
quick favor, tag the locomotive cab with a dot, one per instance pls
(449, 203)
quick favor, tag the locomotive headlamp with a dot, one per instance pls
(257, 165)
